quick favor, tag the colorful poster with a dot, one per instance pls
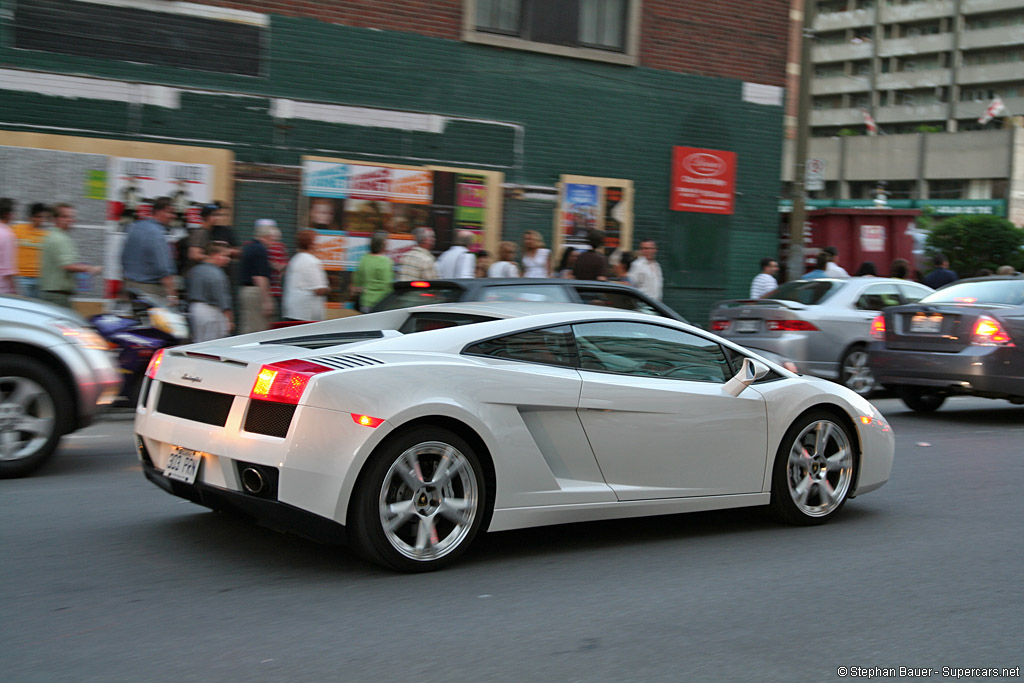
(470, 202)
(367, 216)
(325, 179)
(134, 184)
(579, 211)
(411, 186)
(325, 213)
(703, 180)
(614, 209)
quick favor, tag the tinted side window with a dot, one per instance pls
(646, 350)
(877, 297)
(913, 293)
(550, 346)
(628, 301)
(525, 293)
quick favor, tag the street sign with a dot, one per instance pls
(814, 175)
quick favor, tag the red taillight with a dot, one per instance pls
(154, 364)
(284, 382)
(367, 421)
(419, 283)
(719, 325)
(988, 332)
(878, 327)
(790, 326)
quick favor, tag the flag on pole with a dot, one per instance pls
(995, 109)
(869, 122)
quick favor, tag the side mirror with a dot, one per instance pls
(750, 372)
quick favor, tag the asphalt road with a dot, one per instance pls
(107, 578)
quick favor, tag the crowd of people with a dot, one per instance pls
(38, 258)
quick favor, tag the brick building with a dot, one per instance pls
(516, 100)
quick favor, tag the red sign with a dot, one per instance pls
(703, 180)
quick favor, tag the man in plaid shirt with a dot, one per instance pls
(418, 263)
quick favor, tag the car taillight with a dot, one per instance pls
(284, 382)
(719, 325)
(367, 421)
(878, 328)
(790, 326)
(419, 283)
(154, 364)
(988, 332)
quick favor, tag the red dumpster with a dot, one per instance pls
(876, 235)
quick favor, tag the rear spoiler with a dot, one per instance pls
(773, 303)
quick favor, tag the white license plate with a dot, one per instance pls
(926, 324)
(747, 325)
(183, 465)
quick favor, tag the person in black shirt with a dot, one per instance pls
(942, 275)
(254, 276)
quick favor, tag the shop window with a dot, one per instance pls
(593, 29)
(163, 38)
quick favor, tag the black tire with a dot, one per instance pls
(35, 406)
(921, 400)
(810, 488)
(428, 529)
(854, 372)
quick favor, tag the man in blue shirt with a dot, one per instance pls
(146, 257)
(942, 275)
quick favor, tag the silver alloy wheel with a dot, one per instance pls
(820, 468)
(428, 501)
(856, 372)
(27, 417)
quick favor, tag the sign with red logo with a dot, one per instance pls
(703, 180)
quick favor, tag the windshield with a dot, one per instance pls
(418, 296)
(806, 291)
(1007, 292)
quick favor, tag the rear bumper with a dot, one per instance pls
(270, 513)
(795, 347)
(979, 370)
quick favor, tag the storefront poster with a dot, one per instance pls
(579, 211)
(872, 238)
(614, 209)
(470, 202)
(134, 184)
(703, 180)
(325, 179)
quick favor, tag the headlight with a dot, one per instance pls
(81, 336)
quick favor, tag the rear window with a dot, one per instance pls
(1009, 292)
(554, 293)
(419, 296)
(806, 291)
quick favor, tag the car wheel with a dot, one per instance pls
(921, 400)
(855, 373)
(34, 403)
(813, 470)
(420, 502)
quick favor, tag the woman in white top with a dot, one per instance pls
(305, 282)
(536, 259)
(505, 266)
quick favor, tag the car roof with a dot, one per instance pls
(12, 304)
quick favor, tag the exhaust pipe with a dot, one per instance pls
(253, 481)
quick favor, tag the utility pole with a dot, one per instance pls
(795, 262)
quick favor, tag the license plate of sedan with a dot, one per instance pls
(926, 324)
(748, 325)
(183, 465)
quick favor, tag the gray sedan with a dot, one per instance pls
(822, 325)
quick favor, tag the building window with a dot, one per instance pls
(595, 29)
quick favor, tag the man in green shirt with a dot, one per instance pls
(60, 260)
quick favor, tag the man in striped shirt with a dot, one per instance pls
(418, 263)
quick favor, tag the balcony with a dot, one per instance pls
(916, 45)
(979, 6)
(834, 21)
(912, 80)
(919, 11)
(926, 113)
(837, 117)
(990, 73)
(1003, 36)
(836, 85)
(974, 109)
(841, 53)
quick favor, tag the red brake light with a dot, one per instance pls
(790, 326)
(878, 328)
(719, 325)
(154, 364)
(988, 332)
(284, 382)
(419, 283)
(367, 421)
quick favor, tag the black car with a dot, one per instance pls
(966, 338)
(614, 294)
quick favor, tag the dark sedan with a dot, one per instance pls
(614, 294)
(965, 338)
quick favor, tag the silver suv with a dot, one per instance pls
(55, 375)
